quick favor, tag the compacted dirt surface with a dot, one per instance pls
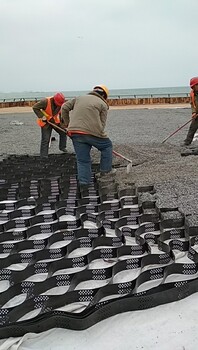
(137, 134)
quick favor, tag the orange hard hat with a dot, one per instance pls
(59, 99)
(193, 82)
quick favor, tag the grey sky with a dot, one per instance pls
(48, 45)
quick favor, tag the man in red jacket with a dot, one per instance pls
(49, 109)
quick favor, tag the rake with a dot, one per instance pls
(177, 130)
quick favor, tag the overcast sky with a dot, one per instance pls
(51, 45)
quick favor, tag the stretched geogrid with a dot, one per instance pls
(70, 258)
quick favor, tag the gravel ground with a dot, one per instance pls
(137, 134)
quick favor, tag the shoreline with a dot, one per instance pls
(26, 109)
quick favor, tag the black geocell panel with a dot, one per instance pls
(123, 236)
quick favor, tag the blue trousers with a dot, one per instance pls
(46, 132)
(82, 146)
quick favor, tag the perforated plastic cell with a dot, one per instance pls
(110, 250)
(145, 303)
(183, 290)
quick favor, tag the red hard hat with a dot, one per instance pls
(59, 98)
(193, 82)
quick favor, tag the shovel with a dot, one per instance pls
(129, 166)
(53, 124)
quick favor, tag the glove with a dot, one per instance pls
(44, 119)
(194, 115)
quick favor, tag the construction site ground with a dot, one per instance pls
(137, 133)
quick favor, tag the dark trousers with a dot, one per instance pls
(191, 131)
(46, 132)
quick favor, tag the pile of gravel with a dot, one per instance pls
(138, 135)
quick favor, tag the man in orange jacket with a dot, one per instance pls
(194, 106)
(48, 109)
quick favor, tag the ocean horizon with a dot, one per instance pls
(113, 93)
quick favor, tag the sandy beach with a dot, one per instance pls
(9, 110)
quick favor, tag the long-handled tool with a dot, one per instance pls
(129, 166)
(177, 130)
(57, 127)
(52, 124)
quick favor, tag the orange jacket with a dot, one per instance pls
(193, 102)
(192, 98)
(49, 114)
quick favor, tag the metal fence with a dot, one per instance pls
(150, 95)
(21, 99)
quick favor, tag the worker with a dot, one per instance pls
(49, 109)
(86, 127)
(194, 106)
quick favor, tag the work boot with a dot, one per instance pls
(193, 145)
(112, 172)
(184, 144)
(64, 150)
(187, 152)
(106, 175)
(83, 188)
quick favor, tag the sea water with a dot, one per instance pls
(114, 93)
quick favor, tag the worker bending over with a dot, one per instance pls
(86, 127)
(49, 109)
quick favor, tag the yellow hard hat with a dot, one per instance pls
(103, 87)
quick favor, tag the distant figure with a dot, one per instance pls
(194, 106)
(51, 107)
(86, 127)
